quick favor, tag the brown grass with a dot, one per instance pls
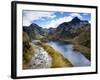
(85, 50)
(58, 59)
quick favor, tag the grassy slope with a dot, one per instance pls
(84, 50)
(28, 50)
(82, 44)
(58, 59)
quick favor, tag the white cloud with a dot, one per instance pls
(76, 15)
(85, 14)
(90, 21)
(26, 22)
(55, 23)
(29, 16)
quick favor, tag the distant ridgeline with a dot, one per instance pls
(66, 30)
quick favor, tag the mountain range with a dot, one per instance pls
(76, 30)
(69, 30)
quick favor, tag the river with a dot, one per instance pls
(66, 49)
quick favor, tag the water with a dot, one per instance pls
(75, 57)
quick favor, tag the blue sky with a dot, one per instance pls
(51, 19)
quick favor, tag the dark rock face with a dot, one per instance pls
(76, 20)
(75, 23)
(33, 31)
(70, 29)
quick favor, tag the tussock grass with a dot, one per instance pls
(27, 55)
(85, 50)
(57, 59)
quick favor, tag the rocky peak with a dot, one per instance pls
(76, 20)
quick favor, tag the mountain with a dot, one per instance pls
(69, 30)
(76, 20)
(75, 23)
(66, 30)
(34, 31)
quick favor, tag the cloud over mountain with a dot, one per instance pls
(30, 16)
(47, 19)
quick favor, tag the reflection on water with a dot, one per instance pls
(75, 57)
